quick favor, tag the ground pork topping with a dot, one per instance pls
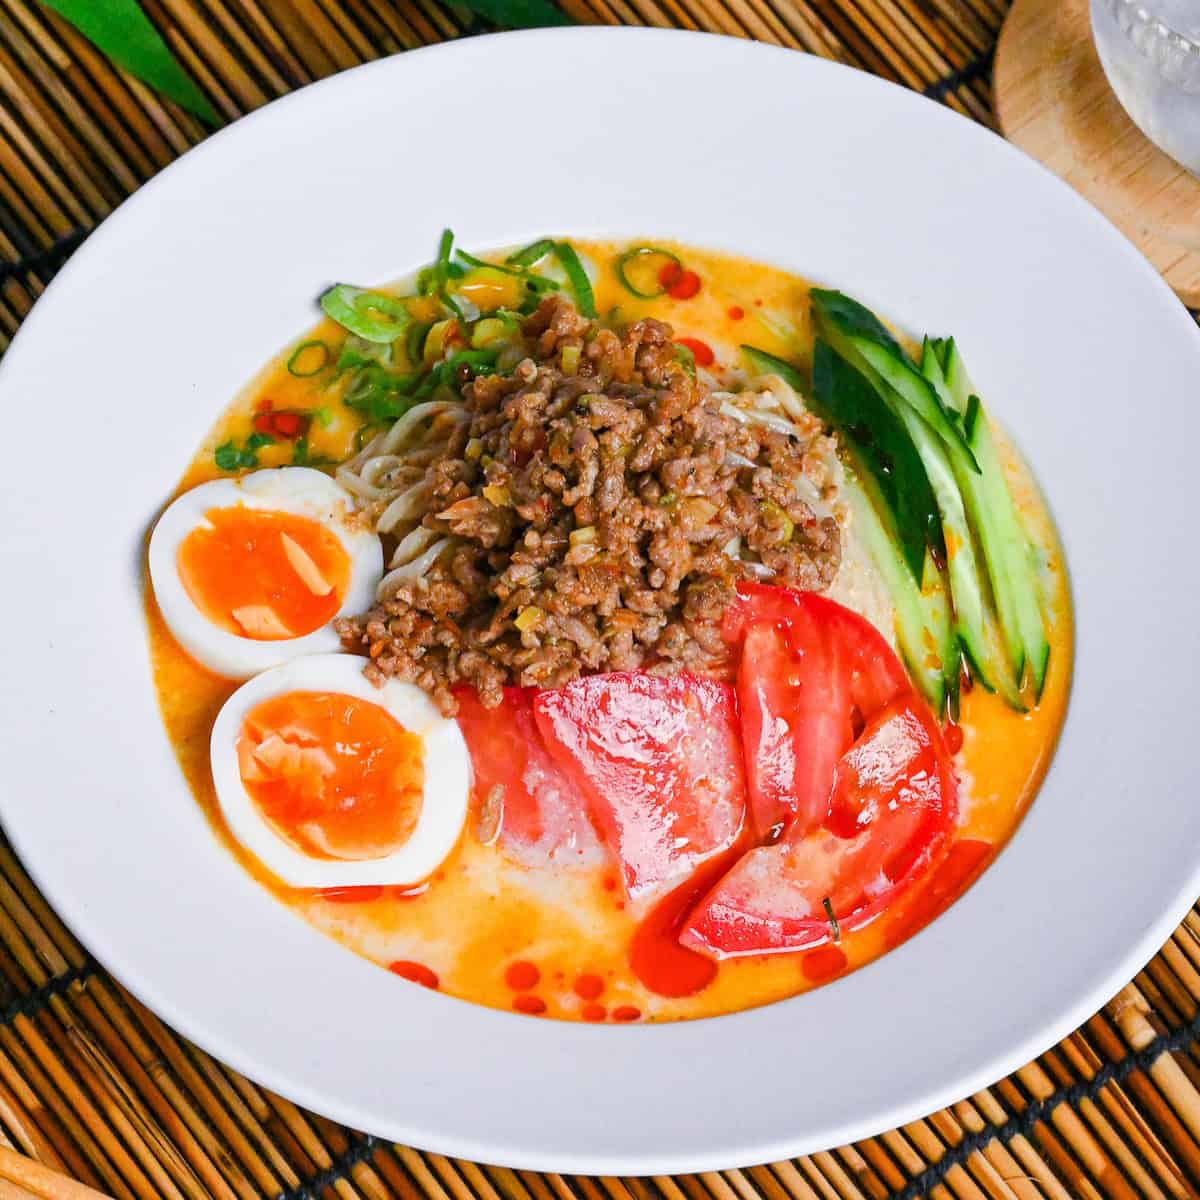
(599, 506)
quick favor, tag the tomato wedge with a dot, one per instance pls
(811, 674)
(541, 816)
(893, 805)
(659, 760)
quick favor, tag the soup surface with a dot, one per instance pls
(573, 940)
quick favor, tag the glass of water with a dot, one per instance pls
(1151, 54)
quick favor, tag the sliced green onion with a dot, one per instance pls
(414, 341)
(630, 256)
(472, 261)
(372, 316)
(531, 255)
(442, 272)
(490, 330)
(379, 394)
(359, 353)
(227, 457)
(293, 363)
(538, 284)
(445, 249)
(585, 300)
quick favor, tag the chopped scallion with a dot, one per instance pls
(585, 299)
(309, 359)
(230, 457)
(472, 261)
(532, 254)
(442, 272)
(372, 316)
(639, 259)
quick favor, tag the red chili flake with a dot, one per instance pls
(351, 895)
(670, 275)
(593, 1012)
(686, 288)
(825, 963)
(626, 1012)
(701, 351)
(737, 312)
(610, 883)
(522, 975)
(953, 736)
(588, 986)
(290, 424)
(415, 972)
(532, 1006)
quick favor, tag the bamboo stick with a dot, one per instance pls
(168, 1062)
(293, 69)
(1135, 1139)
(340, 15)
(98, 84)
(792, 1180)
(39, 98)
(39, 1180)
(248, 49)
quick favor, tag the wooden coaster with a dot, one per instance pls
(1053, 100)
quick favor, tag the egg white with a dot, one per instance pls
(300, 491)
(447, 777)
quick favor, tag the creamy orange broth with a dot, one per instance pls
(481, 912)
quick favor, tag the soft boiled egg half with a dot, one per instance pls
(250, 572)
(330, 781)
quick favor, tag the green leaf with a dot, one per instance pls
(123, 31)
(518, 14)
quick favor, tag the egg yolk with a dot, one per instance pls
(335, 776)
(264, 575)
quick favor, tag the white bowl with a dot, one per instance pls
(171, 306)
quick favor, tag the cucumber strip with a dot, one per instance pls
(860, 338)
(983, 503)
(999, 525)
(922, 613)
(972, 623)
(853, 404)
(762, 363)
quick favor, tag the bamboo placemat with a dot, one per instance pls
(96, 1087)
